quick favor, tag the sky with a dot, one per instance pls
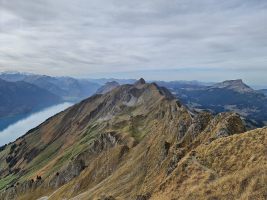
(207, 40)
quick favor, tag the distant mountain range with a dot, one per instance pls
(67, 88)
(102, 81)
(232, 95)
(21, 94)
(21, 97)
(137, 142)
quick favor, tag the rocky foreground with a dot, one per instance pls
(136, 142)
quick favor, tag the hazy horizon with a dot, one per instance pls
(142, 74)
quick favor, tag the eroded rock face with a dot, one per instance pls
(166, 148)
(143, 197)
(10, 193)
(199, 123)
(225, 124)
(74, 169)
(177, 156)
(76, 166)
(105, 141)
(16, 189)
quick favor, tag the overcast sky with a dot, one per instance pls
(192, 39)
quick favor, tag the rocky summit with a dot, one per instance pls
(136, 142)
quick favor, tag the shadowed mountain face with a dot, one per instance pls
(264, 91)
(21, 97)
(231, 95)
(69, 89)
(135, 142)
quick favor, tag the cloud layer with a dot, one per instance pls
(81, 37)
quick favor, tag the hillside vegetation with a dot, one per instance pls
(136, 142)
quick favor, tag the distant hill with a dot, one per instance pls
(173, 85)
(69, 89)
(235, 85)
(21, 97)
(232, 95)
(103, 81)
(107, 87)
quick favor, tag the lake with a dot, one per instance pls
(22, 126)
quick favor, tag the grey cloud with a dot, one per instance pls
(65, 37)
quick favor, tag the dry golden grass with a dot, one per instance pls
(230, 168)
(199, 167)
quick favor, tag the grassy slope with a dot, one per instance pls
(229, 168)
(138, 164)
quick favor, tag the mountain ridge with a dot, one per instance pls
(136, 141)
(236, 85)
(107, 87)
(68, 88)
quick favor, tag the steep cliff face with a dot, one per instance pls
(134, 142)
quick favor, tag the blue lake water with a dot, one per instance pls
(24, 123)
(7, 121)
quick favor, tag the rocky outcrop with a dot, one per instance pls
(199, 123)
(73, 169)
(141, 81)
(176, 157)
(16, 189)
(78, 164)
(224, 124)
(143, 197)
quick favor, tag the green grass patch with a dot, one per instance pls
(43, 158)
(8, 180)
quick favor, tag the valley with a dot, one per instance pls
(18, 98)
(227, 96)
(23, 94)
(19, 126)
